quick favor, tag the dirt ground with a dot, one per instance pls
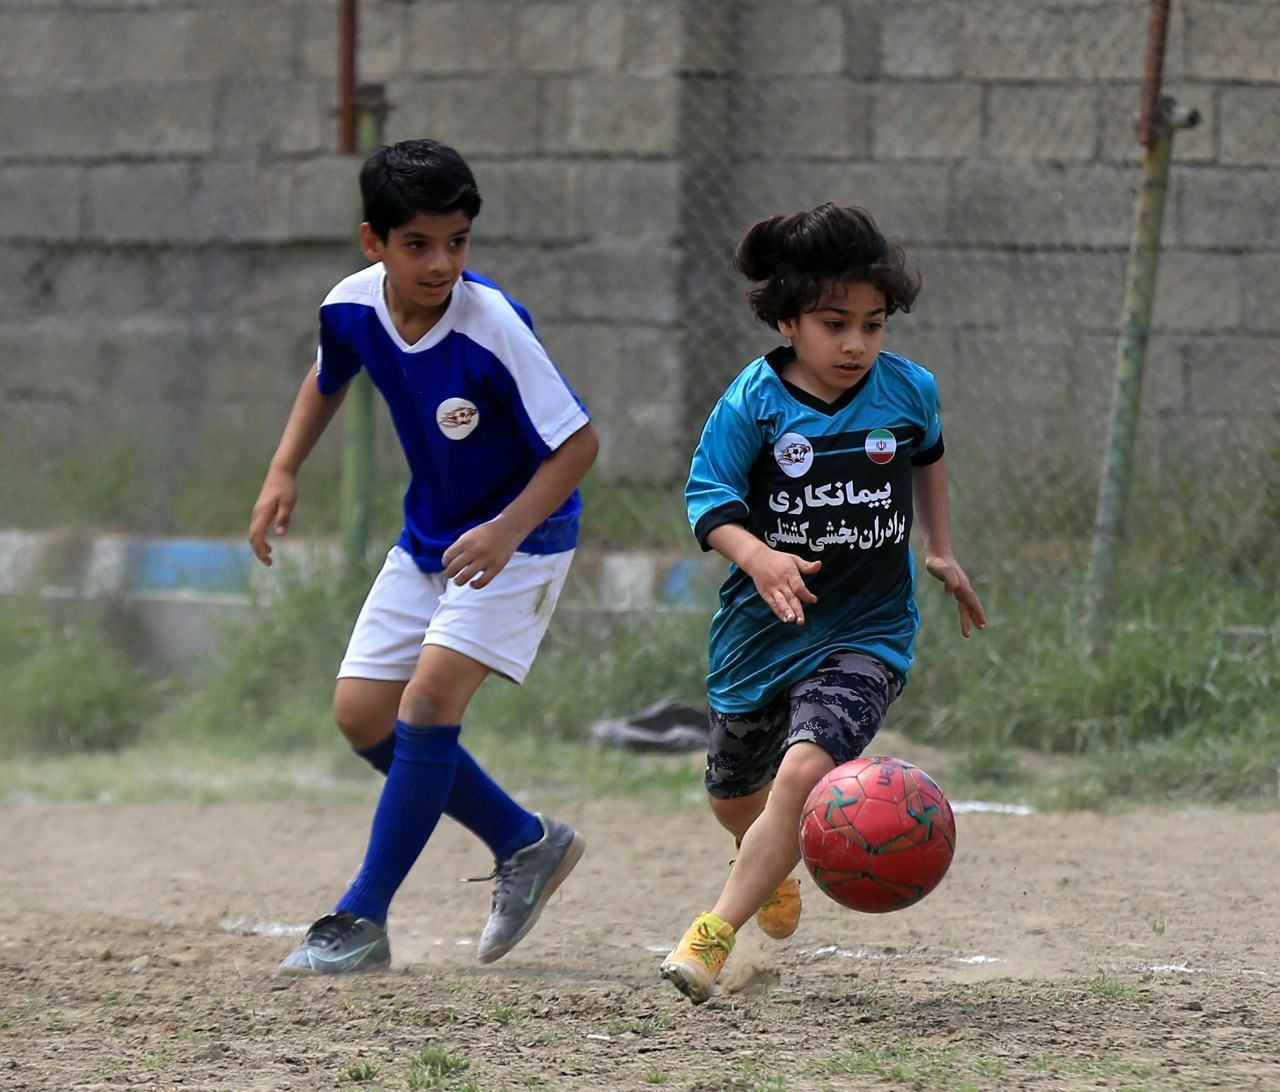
(139, 947)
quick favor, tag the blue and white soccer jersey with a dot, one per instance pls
(829, 482)
(478, 405)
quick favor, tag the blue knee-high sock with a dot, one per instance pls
(412, 801)
(480, 804)
(475, 801)
(379, 755)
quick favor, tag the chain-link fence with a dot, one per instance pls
(174, 210)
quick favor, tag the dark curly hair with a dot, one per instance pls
(796, 258)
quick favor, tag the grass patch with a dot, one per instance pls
(750, 1076)
(205, 774)
(89, 486)
(432, 1068)
(1112, 989)
(270, 689)
(360, 1073)
(68, 685)
(1185, 708)
(598, 666)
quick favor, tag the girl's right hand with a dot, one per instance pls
(272, 509)
(779, 580)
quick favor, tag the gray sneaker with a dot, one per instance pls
(340, 944)
(525, 883)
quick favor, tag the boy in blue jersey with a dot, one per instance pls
(806, 478)
(496, 444)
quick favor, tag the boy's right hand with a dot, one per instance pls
(272, 509)
(779, 580)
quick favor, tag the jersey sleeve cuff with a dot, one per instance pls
(929, 455)
(733, 512)
(566, 427)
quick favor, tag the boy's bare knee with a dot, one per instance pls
(420, 707)
(365, 710)
(361, 728)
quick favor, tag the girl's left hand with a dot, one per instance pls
(957, 585)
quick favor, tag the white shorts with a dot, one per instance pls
(499, 625)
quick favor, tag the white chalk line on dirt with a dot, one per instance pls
(825, 950)
(991, 807)
(244, 926)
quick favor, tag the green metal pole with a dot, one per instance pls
(1131, 355)
(357, 471)
(357, 410)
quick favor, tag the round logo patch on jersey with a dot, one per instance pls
(794, 454)
(457, 417)
(881, 445)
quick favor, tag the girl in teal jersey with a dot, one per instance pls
(810, 472)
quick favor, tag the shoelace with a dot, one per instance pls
(502, 873)
(705, 945)
(330, 929)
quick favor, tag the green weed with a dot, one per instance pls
(270, 689)
(1185, 706)
(507, 1016)
(752, 1078)
(1111, 989)
(1090, 1067)
(919, 1065)
(643, 1026)
(88, 485)
(358, 1073)
(595, 665)
(432, 1066)
(68, 685)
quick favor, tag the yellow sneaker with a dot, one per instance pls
(779, 915)
(697, 960)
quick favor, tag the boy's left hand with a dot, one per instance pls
(480, 554)
(957, 585)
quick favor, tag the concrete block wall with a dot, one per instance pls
(172, 208)
(995, 139)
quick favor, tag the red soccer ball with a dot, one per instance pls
(877, 834)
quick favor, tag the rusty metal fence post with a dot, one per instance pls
(1159, 117)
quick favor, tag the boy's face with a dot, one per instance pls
(837, 343)
(423, 259)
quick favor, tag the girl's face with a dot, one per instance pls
(837, 343)
(423, 260)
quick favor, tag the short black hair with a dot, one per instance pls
(401, 180)
(796, 258)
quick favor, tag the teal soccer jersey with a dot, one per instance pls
(829, 482)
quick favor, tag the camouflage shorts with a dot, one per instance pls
(840, 707)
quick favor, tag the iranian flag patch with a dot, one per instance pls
(881, 445)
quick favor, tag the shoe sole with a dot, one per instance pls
(677, 975)
(782, 934)
(291, 971)
(571, 857)
(775, 933)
